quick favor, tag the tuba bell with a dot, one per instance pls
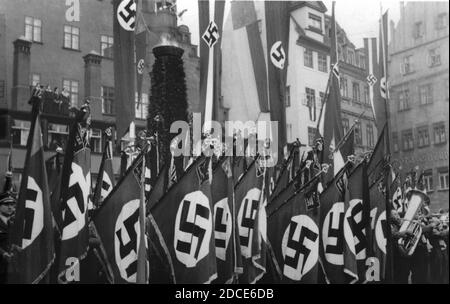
(415, 201)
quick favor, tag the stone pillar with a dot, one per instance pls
(21, 75)
(93, 82)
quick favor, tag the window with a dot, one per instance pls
(428, 180)
(57, 136)
(369, 135)
(323, 66)
(441, 21)
(407, 66)
(2, 88)
(71, 37)
(287, 96)
(142, 106)
(423, 137)
(96, 140)
(358, 137)
(35, 79)
(408, 141)
(344, 87)
(362, 61)
(351, 57)
(322, 98)
(106, 46)
(403, 100)
(315, 21)
(425, 94)
(71, 86)
(33, 29)
(289, 130)
(418, 30)
(443, 178)
(311, 136)
(308, 58)
(366, 95)
(20, 130)
(356, 95)
(107, 100)
(395, 141)
(434, 57)
(345, 125)
(311, 103)
(439, 134)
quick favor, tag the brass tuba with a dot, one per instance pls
(415, 200)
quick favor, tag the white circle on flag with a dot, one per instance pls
(277, 55)
(357, 218)
(300, 263)
(223, 225)
(193, 229)
(246, 220)
(126, 240)
(126, 15)
(333, 235)
(379, 232)
(33, 202)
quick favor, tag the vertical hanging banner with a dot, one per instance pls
(183, 222)
(75, 192)
(293, 231)
(211, 15)
(32, 230)
(124, 24)
(277, 32)
(118, 226)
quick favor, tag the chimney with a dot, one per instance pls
(21, 74)
(92, 81)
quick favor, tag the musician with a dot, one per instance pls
(401, 263)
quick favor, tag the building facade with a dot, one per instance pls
(308, 73)
(69, 44)
(419, 95)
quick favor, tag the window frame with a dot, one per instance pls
(428, 94)
(71, 35)
(23, 129)
(436, 127)
(443, 176)
(355, 85)
(409, 136)
(34, 27)
(109, 45)
(322, 66)
(110, 98)
(424, 134)
(72, 93)
(315, 20)
(305, 52)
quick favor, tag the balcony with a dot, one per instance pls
(54, 103)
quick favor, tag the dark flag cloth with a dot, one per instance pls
(75, 193)
(287, 172)
(329, 123)
(54, 171)
(124, 67)
(293, 231)
(229, 262)
(357, 220)
(118, 226)
(277, 17)
(159, 188)
(183, 221)
(381, 93)
(32, 231)
(251, 222)
(105, 179)
(337, 261)
(377, 181)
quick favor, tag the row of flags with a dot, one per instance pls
(220, 221)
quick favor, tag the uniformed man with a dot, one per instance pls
(7, 210)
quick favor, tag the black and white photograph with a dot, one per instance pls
(245, 145)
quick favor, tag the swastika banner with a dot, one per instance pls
(183, 221)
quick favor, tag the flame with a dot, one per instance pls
(166, 39)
